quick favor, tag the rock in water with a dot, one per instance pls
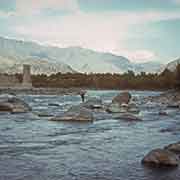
(75, 113)
(53, 104)
(123, 97)
(161, 157)
(174, 148)
(163, 113)
(93, 103)
(14, 105)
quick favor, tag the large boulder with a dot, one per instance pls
(93, 103)
(122, 98)
(174, 147)
(14, 105)
(75, 113)
(161, 157)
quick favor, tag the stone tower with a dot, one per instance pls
(27, 82)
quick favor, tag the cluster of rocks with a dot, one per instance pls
(120, 108)
(13, 105)
(168, 156)
(169, 99)
(124, 107)
(81, 113)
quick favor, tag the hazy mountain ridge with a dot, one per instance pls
(72, 59)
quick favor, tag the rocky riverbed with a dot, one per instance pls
(49, 140)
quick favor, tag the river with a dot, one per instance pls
(33, 148)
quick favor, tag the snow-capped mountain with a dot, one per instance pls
(172, 65)
(48, 59)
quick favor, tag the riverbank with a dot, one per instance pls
(39, 91)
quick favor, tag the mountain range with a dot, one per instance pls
(49, 59)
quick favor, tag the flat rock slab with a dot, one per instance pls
(75, 113)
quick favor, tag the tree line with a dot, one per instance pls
(129, 80)
(152, 81)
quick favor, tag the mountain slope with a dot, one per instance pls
(80, 59)
(39, 66)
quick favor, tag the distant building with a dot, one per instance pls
(27, 82)
(11, 81)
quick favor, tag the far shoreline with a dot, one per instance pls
(64, 91)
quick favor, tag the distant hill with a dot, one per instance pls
(48, 59)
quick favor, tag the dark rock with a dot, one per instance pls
(173, 105)
(163, 113)
(43, 114)
(161, 157)
(53, 104)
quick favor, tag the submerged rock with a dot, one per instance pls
(14, 105)
(123, 97)
(53, 104)
(93, 103)
(75, 113)
(43, 114)
(174, 147)
(128, 117)
(161, 157)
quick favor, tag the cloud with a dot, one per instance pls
(6, 14)
(140, 55)
(37, 6)
(105, 32)
(176, 1)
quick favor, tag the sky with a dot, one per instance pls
(141, 30)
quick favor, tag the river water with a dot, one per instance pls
(33, 148)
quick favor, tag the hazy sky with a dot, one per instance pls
(142, 30)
